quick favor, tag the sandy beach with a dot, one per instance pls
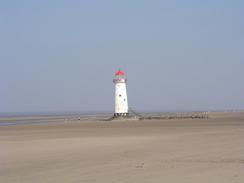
(178, 150)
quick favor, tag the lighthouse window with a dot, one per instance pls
(124, 99)
(120, 95)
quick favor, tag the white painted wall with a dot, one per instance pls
(121, 101)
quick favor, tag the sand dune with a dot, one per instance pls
(189, 150)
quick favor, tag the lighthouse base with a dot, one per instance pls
(117, 115)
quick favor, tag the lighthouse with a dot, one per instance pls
(121, 102)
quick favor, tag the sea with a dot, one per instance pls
(9, 119)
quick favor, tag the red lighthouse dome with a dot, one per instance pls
(119, 73)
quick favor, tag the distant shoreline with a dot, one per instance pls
(92, 113)
(63, 118)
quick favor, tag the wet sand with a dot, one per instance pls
(183, 150)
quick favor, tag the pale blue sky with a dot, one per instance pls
(178, 55)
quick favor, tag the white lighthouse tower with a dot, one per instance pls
(121, 102)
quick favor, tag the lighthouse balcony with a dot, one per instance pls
(120, 80)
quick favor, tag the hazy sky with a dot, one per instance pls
(178, 55)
